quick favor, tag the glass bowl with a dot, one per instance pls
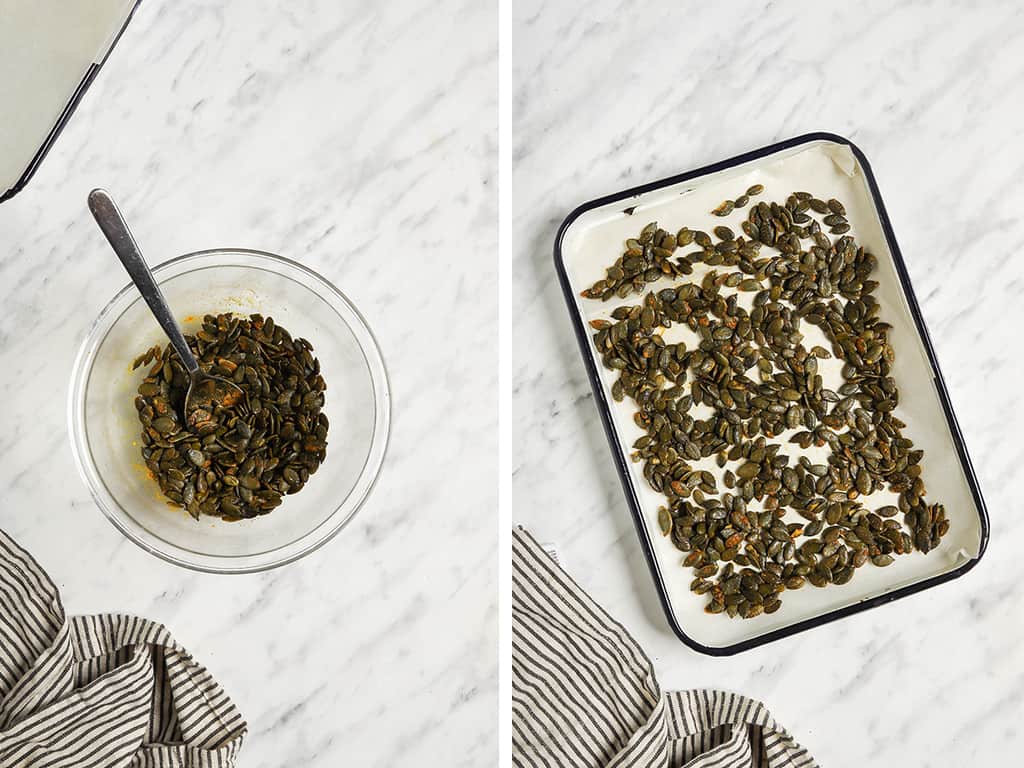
(105, 430)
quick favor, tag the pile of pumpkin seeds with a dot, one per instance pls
(241, 460)
(749, 386)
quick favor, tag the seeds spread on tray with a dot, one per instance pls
(750, 386)
(240, 460)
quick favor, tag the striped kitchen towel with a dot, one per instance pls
(585, 696)
(104, 691)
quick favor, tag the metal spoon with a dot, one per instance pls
(205, 390)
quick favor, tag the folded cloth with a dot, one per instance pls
(100, 691)
(585, 696)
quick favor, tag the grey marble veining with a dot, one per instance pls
(360, 139)
(608, 95)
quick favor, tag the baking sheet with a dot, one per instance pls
(49, 50)
(595, 238)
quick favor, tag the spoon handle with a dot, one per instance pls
(120, 238)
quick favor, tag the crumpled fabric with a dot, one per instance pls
(585, 695)
(103, 691)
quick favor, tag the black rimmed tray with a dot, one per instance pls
(580, 257)
(76, 86)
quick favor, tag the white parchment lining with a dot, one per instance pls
(825, 169)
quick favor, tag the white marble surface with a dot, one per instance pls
(613, 94)
(358, 138)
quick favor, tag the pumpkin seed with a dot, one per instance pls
(752, 374)
(237, 461)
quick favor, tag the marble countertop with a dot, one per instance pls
(360, 139)
(623, 93)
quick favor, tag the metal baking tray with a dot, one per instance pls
(592, 236)
(52, 52)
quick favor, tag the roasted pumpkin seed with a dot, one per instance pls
(237, 461)
(762, 387)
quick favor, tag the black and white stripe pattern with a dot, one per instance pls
(585, 696)
(103, 691)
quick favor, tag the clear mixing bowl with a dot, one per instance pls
(105, 429)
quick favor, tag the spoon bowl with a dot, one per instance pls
(207, 392)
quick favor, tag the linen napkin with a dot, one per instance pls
(104, 691)
(584, 695)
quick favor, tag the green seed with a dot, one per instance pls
(237, 459)
(665, 521)
(748, 471)
(754, 379)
